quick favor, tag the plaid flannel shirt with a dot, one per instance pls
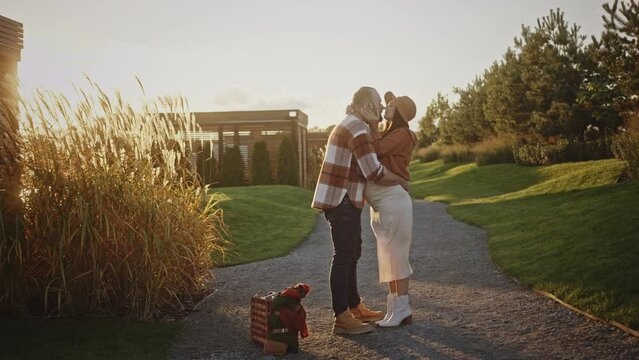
(349, 162)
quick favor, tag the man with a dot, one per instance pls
(349, 162)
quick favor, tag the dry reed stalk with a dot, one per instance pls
(115, 219)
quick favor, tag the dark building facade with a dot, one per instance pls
(245, 128)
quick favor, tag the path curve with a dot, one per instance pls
(464, 308)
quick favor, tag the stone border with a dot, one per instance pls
(589, 315)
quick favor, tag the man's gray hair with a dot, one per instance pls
(363, 96)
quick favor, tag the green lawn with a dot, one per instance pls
(86, 339)
(567, 229)
(265, 221)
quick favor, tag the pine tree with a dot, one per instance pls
(287, 163)
(261, 165)
(553, 58)
(506, 104)
(466, 121)
(533, 91)
(617, 53)
(429, 130)
(232, 172)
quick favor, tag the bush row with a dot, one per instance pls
(562, 151)
(232, 166)
(496, 151)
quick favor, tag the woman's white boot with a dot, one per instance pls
(390, 299)
(401, 313)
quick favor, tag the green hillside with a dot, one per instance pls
(568, 229)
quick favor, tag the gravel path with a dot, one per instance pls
(463, 307)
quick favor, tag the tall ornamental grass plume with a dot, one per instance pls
(115, 220)
(625, 146)
(430, 153)
(11, 230)
(493, 151)
(456, 153)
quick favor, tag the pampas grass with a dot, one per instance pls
(115, 219)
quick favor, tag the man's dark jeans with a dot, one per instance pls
(345, 222)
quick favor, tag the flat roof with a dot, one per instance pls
(251, 117)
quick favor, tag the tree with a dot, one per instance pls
(466, 122)
(532, 92)
(553, 57)
(287, 163)
(232, 172)
(261, 165)
(614, 84)
(506, 104)
(599, 92)
(206, 164)
(431, 122)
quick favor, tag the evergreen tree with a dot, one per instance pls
(552, 58)
(287, 163)
(428, 131)
(614, 85)
(232, 172)
(506, 104)
(206, 164)
(431, 123)
(599, 92)
(532, 93)
(261, 165)
(467, 123)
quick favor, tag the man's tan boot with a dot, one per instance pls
(362, 313)
(345, 323)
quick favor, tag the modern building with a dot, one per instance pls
(245, 128)
(10, 49)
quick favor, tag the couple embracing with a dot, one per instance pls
(362, 165)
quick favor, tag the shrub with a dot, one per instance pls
(625, 146)
(114, 218)
(232, 171)
(533, 154)
(206, 164)
(261, 165)
(315, 160)
(562, 151)
(428, 154)
(287, 163)
(456, 153)
(493, 151)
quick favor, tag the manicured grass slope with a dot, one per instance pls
(567, 229)
(265, 221)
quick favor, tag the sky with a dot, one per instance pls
(276, 54)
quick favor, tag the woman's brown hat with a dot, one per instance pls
(403, 104)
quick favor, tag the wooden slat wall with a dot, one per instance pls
(11, 38)
(292, 122)
(232, 117)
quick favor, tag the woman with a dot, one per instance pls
(392, 208)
